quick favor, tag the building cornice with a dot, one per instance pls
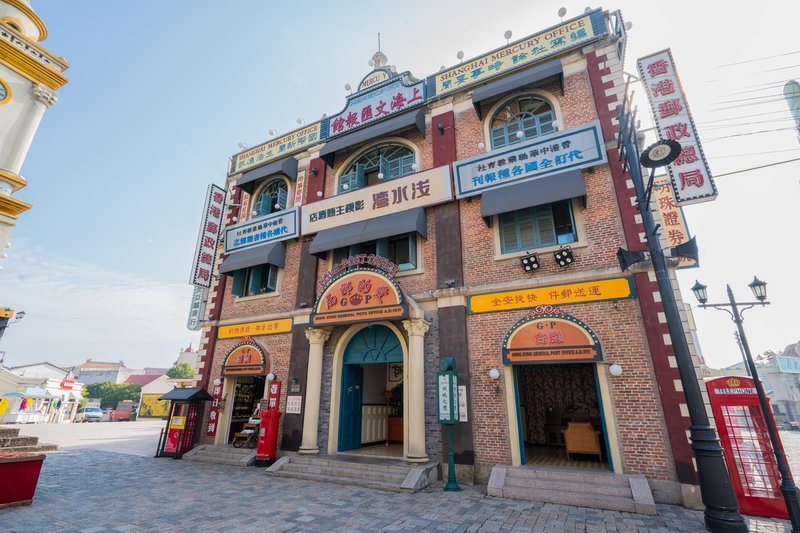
(11, 207)
(31, 60)
(17, 182)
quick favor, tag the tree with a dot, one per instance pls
(111, 393)
(183, 370)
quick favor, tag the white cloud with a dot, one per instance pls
(76, 309)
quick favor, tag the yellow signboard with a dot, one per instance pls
(528, 50)
(276, 148)
(672, 219)
(589, 291)
(268, 327)
(5, 312)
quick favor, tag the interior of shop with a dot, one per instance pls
(247, 395)
(371, 417)
(561, 419)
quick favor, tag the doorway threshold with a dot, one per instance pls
(391, 451)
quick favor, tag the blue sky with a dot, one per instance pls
(160, 93)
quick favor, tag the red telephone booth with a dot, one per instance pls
(745, 442)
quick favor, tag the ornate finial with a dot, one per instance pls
(379, 59)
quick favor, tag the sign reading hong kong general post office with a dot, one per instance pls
(416, 190)
(571, 149)
(359, 295)
(278, 226)
(565, 36)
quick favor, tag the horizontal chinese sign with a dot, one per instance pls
(672, 219)
(588, 291)
(246, 359)
(416, 190)
(570, 34)
(268, 327)
(570, 149)
(274, 227)
(383, 101)
(690, 175)
(359, 295)
(205, 253)
(551, 338)
(278, 147)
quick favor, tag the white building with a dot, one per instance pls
(38, 393)
(30, 75)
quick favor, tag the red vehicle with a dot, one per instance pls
(123, 411)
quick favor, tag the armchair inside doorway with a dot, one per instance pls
(581, 437)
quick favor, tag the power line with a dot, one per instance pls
(756, 153)
(718, 126)
(777, 69)
(759, 59)
(750, 133)
(751, 98)
(758, 167)
(747, 104)
(742, 116)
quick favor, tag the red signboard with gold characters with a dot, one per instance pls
(359, 295)
(246, 359)
(546, 335)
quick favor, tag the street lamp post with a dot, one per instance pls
(759, 288)
(722, 509)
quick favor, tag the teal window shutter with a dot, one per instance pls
(237, 287)
(255, 280)
(272, 278)
(281, 199)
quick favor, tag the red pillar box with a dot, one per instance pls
(267, 450)
(745, 442)
(19, 474)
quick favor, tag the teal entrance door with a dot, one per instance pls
(371, 345)
(350, 419)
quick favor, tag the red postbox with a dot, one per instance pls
(748, 450)
(268, 431)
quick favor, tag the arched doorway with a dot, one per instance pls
(371, 391)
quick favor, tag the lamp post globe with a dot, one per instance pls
(759, 289)
(700, 292)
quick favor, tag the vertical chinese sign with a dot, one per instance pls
(672, 220)
(213, 412)
(689, 173)
(206, 251)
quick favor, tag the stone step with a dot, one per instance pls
(226, 454)
(7, 442)
(346, 472)
(215, 460)
(342, 463)
(36, 448)
(371, 484)
(533, 484)
(574, 476)
(7, 432)
(595, 501)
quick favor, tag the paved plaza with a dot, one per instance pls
(86, 488)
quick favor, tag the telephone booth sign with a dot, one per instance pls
(745, 441)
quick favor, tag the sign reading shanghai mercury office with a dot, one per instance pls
(570, 149)
(277, 226)
(570, 34)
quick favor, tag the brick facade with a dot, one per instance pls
(461, 257)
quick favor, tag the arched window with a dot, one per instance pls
(387, 162)
(272, 198)
(522, 117)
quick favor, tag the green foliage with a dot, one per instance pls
(183, 370)
(111, 394)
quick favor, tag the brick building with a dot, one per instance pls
(476, 214)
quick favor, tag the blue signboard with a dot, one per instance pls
(570, 149)
(274, 227)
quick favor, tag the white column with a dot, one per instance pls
(20, 141)
(316, 338)
(415, 408)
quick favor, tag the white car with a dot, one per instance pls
(88, 414)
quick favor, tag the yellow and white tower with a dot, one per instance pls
(29, 77)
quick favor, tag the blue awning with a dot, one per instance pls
(273, 253)
(385, 127)
(533, 192)
(286, 166)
